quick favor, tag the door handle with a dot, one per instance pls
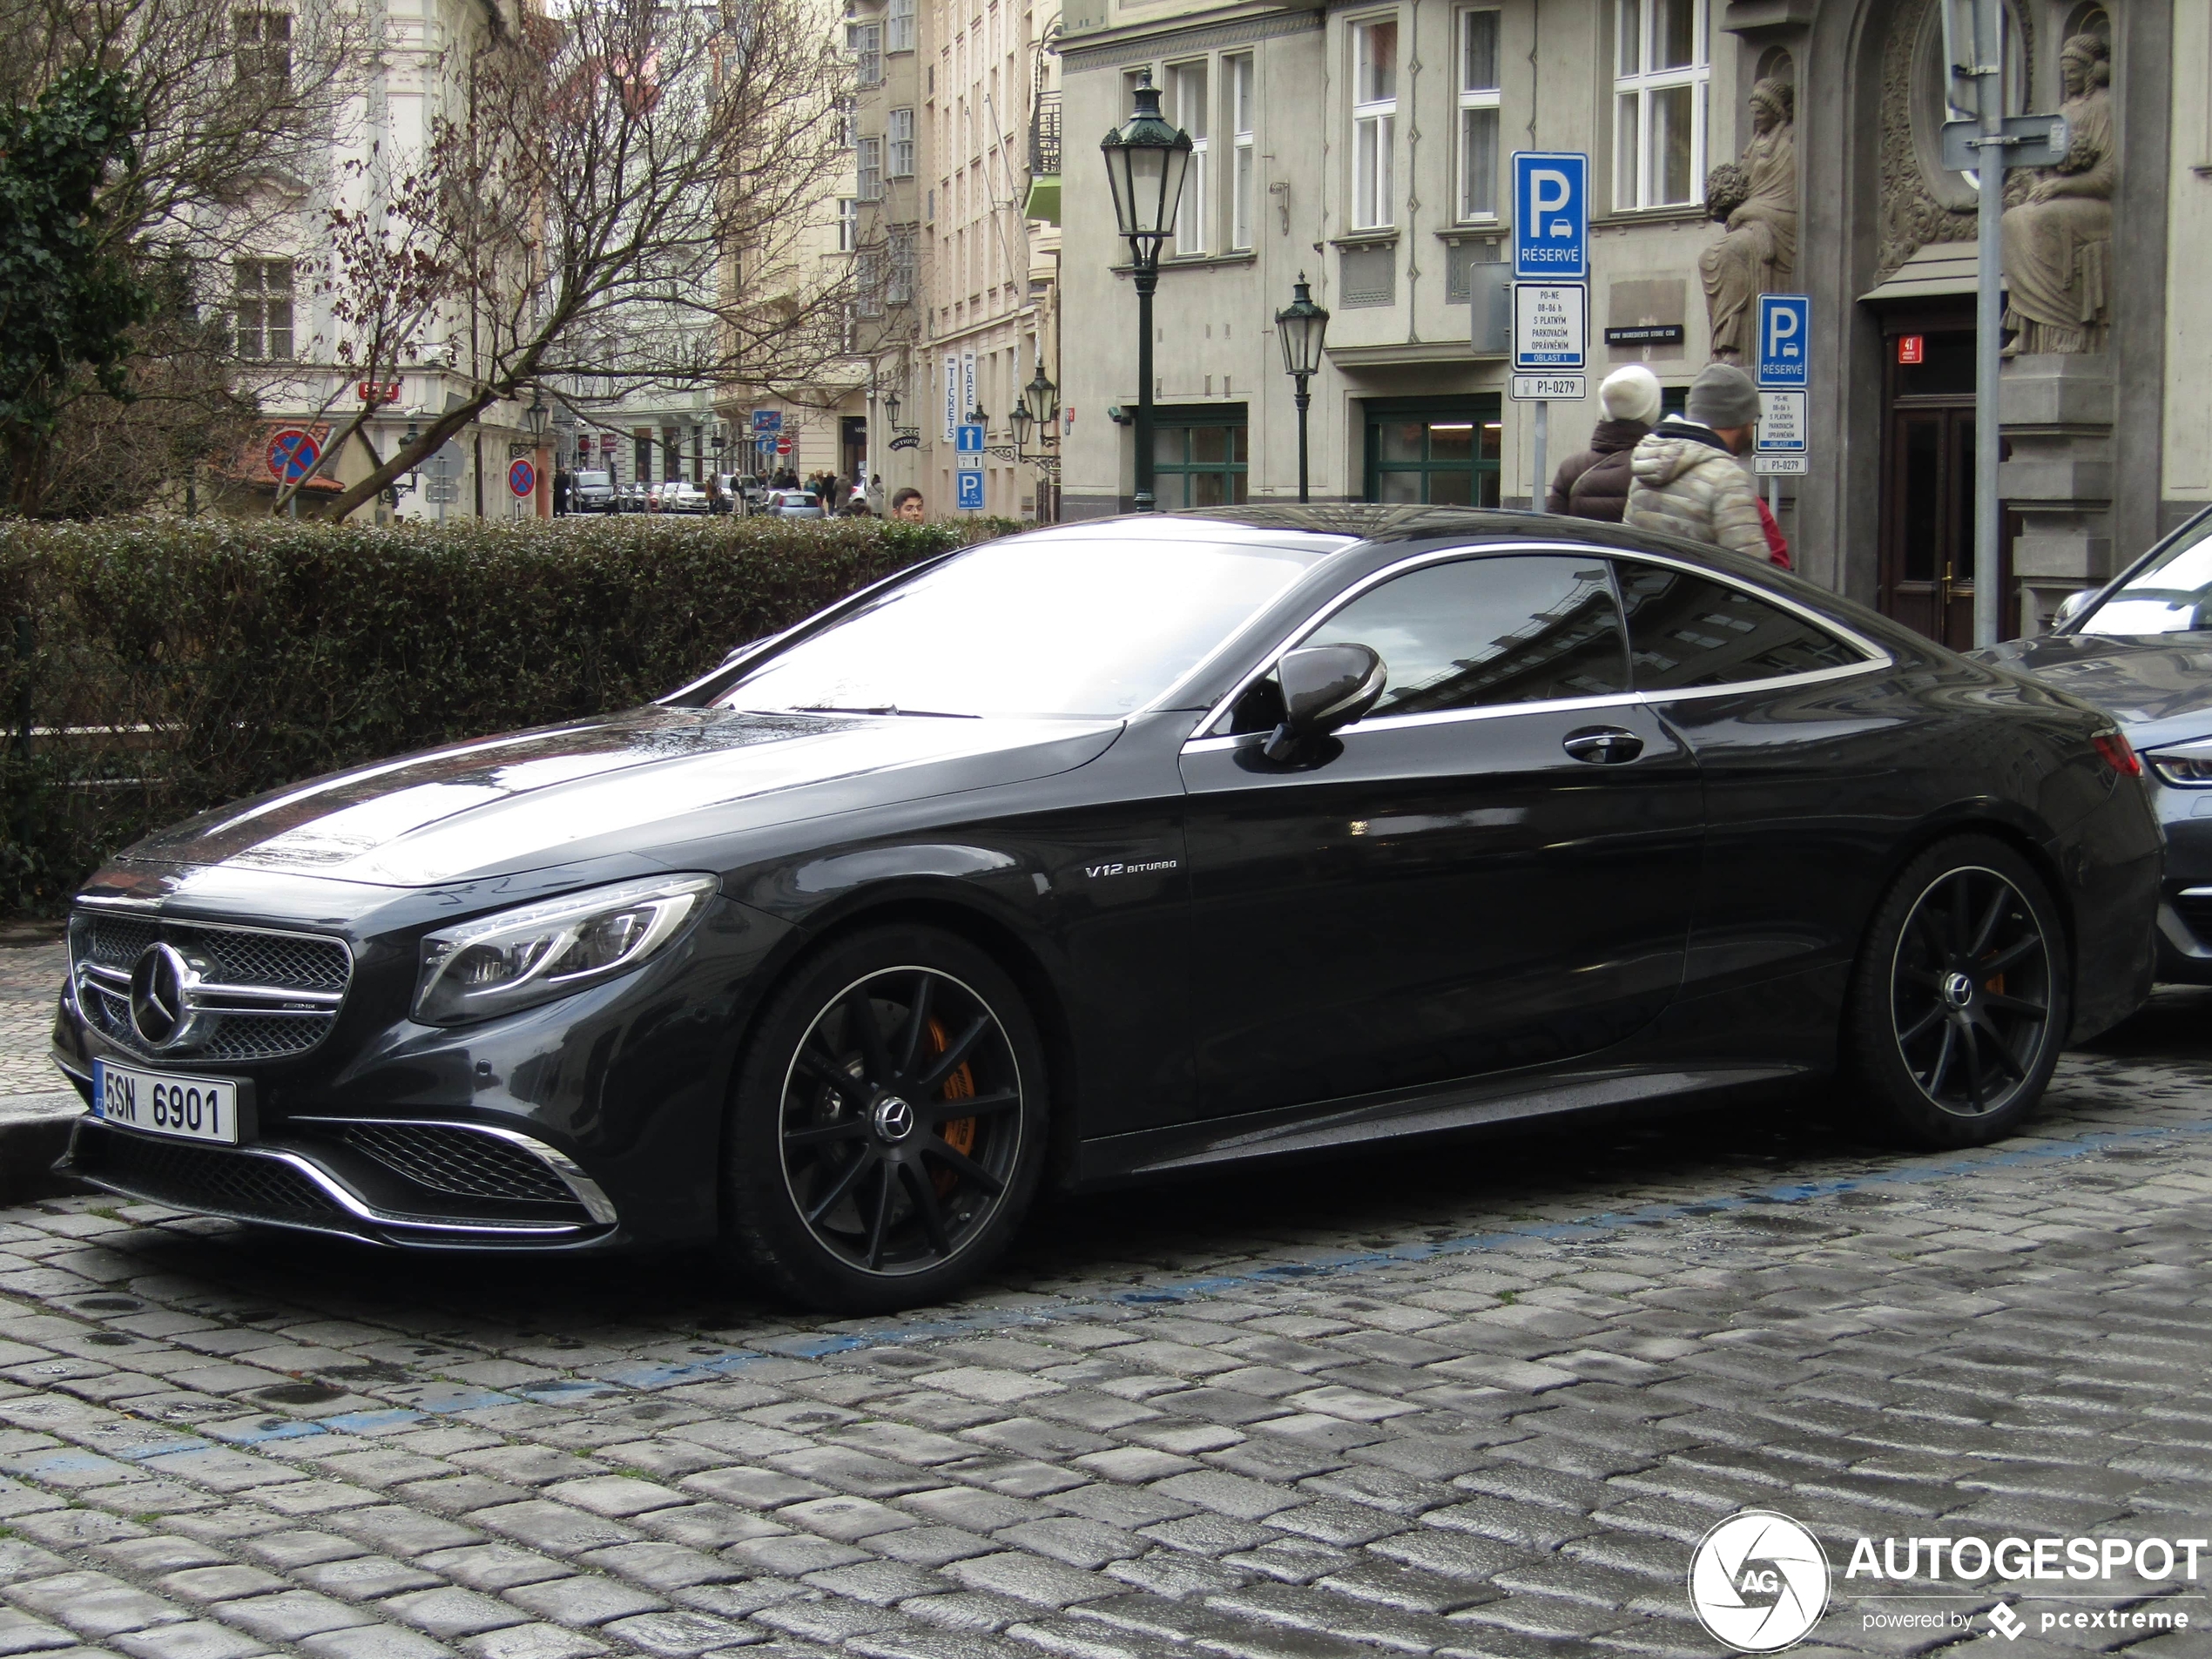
(1604, 746)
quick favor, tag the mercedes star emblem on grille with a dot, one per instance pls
(162, 983)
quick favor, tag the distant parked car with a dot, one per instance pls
(591, 492)
(681, 495)
(2135, 647)
(630, 498)
(794, 503)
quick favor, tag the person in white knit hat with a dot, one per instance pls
(1594, 484)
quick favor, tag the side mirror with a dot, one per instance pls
(1324, 687)
(2073, 606)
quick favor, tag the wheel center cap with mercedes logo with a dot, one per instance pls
(1958, 990)
(162, 983)
(894, 1119)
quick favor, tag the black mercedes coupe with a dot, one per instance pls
(1106, 853)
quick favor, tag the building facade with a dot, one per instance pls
(955, 224)
(1737, 147)
(284, 305)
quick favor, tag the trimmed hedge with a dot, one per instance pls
(161, 666)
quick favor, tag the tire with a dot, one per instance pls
(865, 1171)
(1961, 997)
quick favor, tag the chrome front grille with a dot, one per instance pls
(266, 994)
(460, 1161)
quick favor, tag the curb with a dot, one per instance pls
(33, 1131)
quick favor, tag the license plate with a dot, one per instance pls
(191, 1109)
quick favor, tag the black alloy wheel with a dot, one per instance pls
(1961, 1001)
(888, 1128)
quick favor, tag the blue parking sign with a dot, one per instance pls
(971, 491)
(1785, 342)
(1551, 216)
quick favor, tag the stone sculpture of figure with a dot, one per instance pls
(2058, 237)
(1757, 199)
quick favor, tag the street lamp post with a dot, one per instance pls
(1146, 161)
(1302, 324)
(537, 415)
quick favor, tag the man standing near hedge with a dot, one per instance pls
(907, 505)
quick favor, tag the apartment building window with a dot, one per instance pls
(899, 26)
(899, 281)
(848, 224)
(1660, 74)
(263, 308)
(1243, 162)
(1374, 122)
(902, 134)
(1478, 115)
(263, 42)
(1187, 109)
(868, 282)
(866, 41)
(868, 169)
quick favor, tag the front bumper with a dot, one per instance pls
(399, 1181)
(585, 1123)
(2185, 897)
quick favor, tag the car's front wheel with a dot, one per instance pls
(888, 1124)
(1961, 999)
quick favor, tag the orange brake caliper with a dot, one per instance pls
(960, 1132)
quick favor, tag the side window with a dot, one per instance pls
(1480, 632)
(1688, 631)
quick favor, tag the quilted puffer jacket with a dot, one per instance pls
(1688, 484)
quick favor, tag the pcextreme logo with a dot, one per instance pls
(1758, 1582)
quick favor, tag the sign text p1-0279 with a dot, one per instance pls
(1542, 388)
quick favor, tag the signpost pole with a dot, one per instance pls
(1988, 313)
(1536, 497)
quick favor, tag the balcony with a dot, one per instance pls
(1044, 158)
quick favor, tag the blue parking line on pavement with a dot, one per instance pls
(446, 1399)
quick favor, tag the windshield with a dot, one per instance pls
(2171, 595)
(1046, 626)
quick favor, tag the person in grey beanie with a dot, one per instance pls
(1686, 478)
(1594, 484)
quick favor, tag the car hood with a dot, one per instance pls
(529, 799)
(2157, 686)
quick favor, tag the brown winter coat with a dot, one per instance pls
(1594, 484)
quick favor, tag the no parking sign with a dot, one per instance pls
(521, 479)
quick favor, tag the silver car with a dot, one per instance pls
(794, 503)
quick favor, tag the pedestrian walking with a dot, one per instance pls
(1594, 484)
(907, 505)
(1687, 480)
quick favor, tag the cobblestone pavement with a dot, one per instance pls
(29, 978)
(1481, 1401)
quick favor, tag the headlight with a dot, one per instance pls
(519, 958)
(2188, 765)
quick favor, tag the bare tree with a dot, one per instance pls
(236, 101)
(624, 201)
(383, 269)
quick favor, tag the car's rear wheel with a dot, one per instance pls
(1960, 999)
(888, 1125)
